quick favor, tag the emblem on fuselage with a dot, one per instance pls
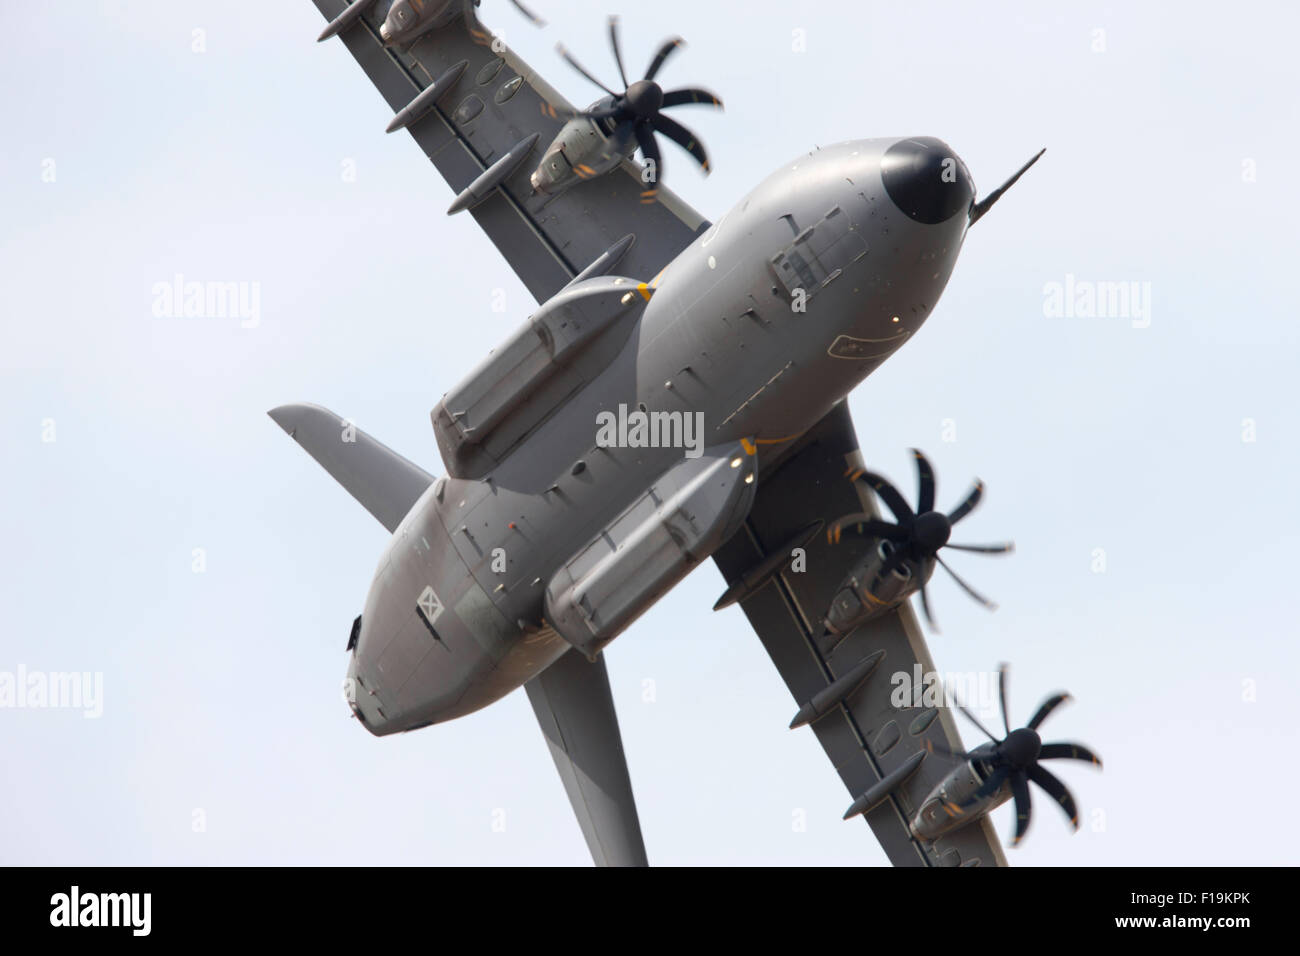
(428, 605)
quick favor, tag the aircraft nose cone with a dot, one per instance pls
(926, 179)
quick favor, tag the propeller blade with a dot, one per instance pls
(1020, 790)
(890, 495)
(925, 483)
(991, 605)
(683, 137)
(1007, 547)
(664, 52)
(1057, 791)
(925, 609)
(618, 54)
(1002, 693)
(971, 717)
(1066, 751)
(645, 138)
(1049, 705)
(685, 96)
(532, 17)
(967, 506)
(863, 523)
(572, 61)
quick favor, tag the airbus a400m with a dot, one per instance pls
(541, 544)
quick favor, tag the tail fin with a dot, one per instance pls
(385, 483)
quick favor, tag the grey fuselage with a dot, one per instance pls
(456, 616)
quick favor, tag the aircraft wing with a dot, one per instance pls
(546, 239)
(866, 737)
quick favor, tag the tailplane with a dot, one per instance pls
(385, 483)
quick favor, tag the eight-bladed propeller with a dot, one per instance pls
(642, 102)
(532, 17)
(918, 535)
(1016, 758)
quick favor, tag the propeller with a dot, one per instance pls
(471, 14)
(642, 103)
(1017, 758)
(532, 17)
(918, 535)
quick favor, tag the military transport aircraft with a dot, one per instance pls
(679, 394)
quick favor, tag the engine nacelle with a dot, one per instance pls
(866, 592)
(410, 19)
(584, 149)
(942, 810)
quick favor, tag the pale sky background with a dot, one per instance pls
(221, 689)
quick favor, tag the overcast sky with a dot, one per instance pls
(158, 529)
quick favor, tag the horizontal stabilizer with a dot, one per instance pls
(385, 483)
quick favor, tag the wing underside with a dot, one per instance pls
(866, 737)
(496, 102)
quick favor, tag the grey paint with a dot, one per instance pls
(493, 176)
(837, 691)
(882, 790)
(759, 323)
(807, 482)
(935, 817)
(575, 710)
(582, 151)
(547, 240)
(634, 560)
(425, 100)
(385, 483)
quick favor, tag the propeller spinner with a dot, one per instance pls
(642, 103)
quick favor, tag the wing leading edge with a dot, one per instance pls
(867, 737)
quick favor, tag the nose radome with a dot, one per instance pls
(926, 179)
